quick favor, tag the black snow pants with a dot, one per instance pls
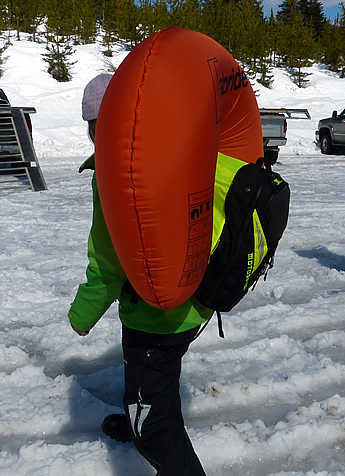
(152, 400)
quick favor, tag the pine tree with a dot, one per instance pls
(25, 16)
(286, 10)
(127, 21)
(265, 75)
(177, 10)
(215, 21)
(10, 15)
(161, 15)
(228, 30)
(61, 17)
(300, 49)
(58, 57)
(312, 12)
(107, 12)
(317, 16)
(84, 12)
(248, 36)
(193, 15)
(3, 15)
(60, 28)
(2, 50)
(146, 18)
(273, 37)
(333, 46)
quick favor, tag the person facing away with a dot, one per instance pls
(153, 340)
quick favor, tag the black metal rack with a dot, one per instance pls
(18, 160)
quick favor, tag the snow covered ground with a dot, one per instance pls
(267, 400)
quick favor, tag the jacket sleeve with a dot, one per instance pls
(105, 276)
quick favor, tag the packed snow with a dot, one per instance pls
(269, 399)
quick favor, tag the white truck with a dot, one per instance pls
(274, 127)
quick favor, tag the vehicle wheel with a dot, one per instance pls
(271, 155)
(326, 143)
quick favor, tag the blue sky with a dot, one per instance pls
(331, 7)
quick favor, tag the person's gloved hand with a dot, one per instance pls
(80, 333)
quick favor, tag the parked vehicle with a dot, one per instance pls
(274, 128)
(330, 133)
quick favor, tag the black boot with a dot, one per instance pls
(116, 427)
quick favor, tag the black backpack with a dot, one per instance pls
(256, 214)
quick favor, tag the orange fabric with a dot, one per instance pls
(176, 100)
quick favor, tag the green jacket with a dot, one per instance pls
(105, 280)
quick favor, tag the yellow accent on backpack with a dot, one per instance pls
(260, 242)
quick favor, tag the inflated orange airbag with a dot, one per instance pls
(177, 100)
